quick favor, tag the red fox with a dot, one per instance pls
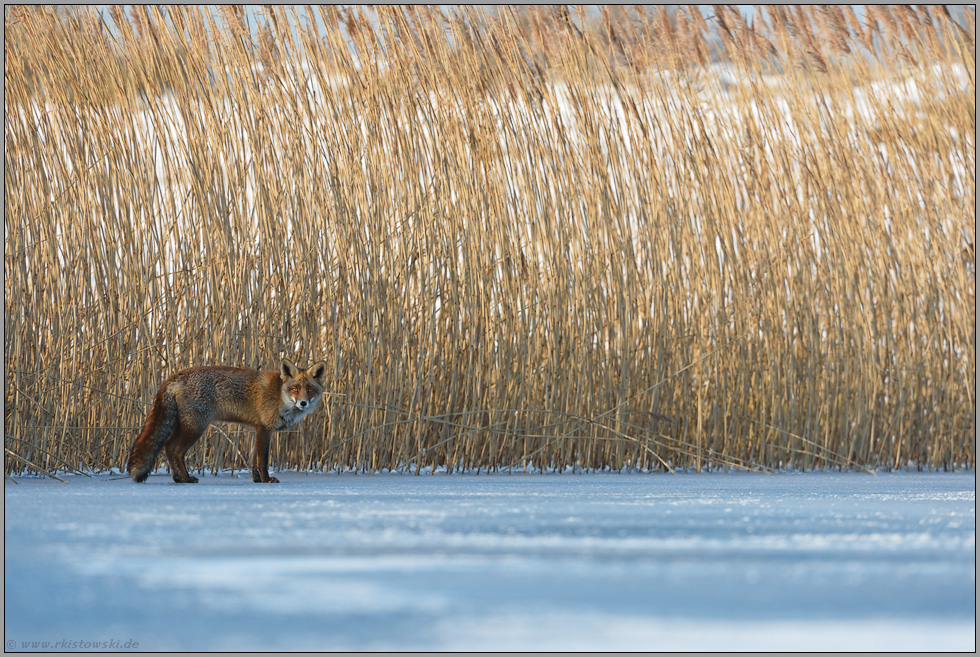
(190, 400)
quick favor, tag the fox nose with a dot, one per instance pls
(302, 403)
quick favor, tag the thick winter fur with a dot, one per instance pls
(190, 400)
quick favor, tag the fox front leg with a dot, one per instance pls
(260, 461)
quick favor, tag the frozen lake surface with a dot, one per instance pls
(646, 562)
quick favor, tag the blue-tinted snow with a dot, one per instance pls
(654, 562)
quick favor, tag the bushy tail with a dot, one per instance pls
(160, 425)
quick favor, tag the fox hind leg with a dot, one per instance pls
(183, 439)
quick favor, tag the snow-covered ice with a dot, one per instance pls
(646, 562)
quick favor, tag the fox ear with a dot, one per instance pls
(318, 371)
(288, 370)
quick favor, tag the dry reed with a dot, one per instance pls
(523, 239)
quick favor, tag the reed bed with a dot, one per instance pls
(521, 239)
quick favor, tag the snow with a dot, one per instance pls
(644, 562)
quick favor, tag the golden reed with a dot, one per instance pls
(522, 238)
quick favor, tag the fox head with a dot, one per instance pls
(301, 390)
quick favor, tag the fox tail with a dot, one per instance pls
(160, 425)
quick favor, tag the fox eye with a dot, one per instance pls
(311, 390)
(294, 389)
